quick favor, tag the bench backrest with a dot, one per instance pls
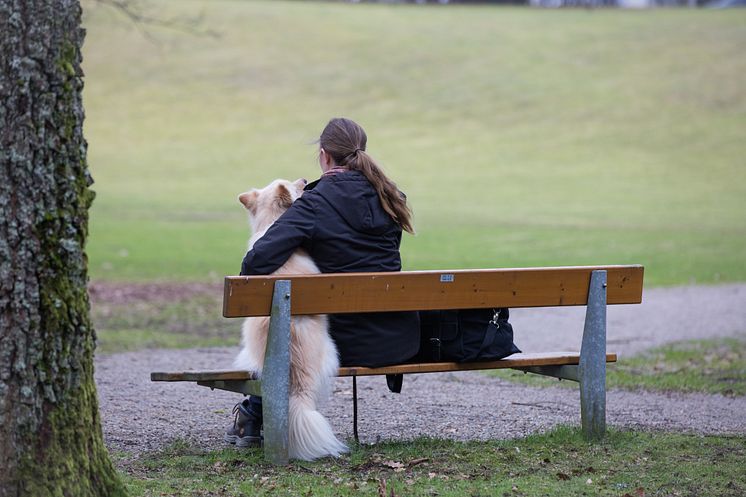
(247, 296)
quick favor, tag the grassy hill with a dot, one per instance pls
(521, 137)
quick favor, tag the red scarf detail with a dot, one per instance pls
(335, 170)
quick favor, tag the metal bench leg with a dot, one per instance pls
(592, 367)
(276, 377)
(354, 407)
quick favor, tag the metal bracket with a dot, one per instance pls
(246, 387)
(566, 372)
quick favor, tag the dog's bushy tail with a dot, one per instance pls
(311, 435)
(314, 365)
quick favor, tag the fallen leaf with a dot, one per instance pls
(393, 465)
(563, 476)
(415, 462)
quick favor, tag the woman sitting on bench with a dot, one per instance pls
(349, 220)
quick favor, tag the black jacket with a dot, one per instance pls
(340, 222)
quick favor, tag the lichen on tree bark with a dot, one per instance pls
(50, 432)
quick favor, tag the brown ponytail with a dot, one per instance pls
(345, 141)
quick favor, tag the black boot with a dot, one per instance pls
(247, 424)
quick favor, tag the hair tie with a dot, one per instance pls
(354, 152)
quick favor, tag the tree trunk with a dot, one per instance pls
(50, 432)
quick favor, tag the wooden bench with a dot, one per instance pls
(281, 297)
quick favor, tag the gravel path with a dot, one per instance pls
(139, 415)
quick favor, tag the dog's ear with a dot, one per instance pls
(284, 197)
(248, 199)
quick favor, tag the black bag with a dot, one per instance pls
(466, 335)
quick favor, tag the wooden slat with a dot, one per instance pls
(211, 375)
(516, 360)
(418, 290)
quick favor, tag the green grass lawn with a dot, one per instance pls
(713, 366)
(522, 137)
(559, 463)
(171, 321)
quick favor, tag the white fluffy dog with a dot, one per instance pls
(313, 355)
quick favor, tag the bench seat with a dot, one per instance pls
(516, 361)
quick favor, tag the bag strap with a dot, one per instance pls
(394, 382)
(490, 332)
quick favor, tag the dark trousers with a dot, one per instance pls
(255, 405)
